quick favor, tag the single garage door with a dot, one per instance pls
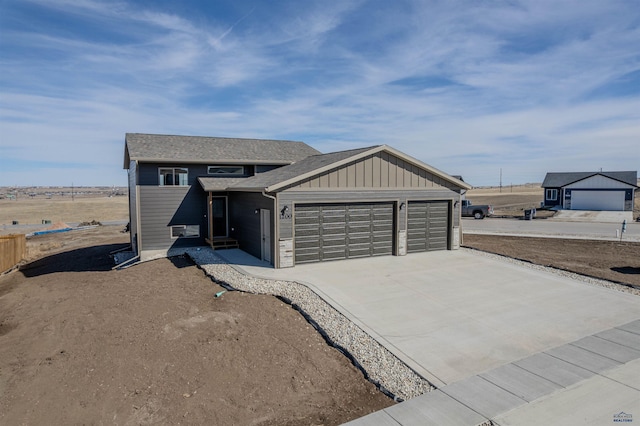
(342, 231)
(427, 226)
(597, 200)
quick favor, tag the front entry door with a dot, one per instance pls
(265, 231)
(219, 216)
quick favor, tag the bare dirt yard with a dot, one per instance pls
(609, 260)
(82, 344)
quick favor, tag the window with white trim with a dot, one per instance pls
(173, 176)
(185, 231)
(552, 194)
(226, 170)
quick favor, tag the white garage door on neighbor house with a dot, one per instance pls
(597, 200)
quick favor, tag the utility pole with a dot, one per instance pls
(72, 195)
(500, 179)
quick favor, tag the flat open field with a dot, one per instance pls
(511, 201)
(63, 209)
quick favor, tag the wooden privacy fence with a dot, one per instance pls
(13, 249)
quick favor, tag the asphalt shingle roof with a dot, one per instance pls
(219, 183)
(148, 147)
(558, 180)
(307, 165)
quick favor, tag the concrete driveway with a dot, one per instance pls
(454, 314)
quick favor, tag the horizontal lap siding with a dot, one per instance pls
(161, 207)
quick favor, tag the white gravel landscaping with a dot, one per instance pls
(380, 366)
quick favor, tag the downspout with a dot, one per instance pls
(210, 218)
(127, 263)
(138, 222)
(276, 226)
(459, 215)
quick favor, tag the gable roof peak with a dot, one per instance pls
(313, 165)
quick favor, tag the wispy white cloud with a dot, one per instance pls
(469, 87)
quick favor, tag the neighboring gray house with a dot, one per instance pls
(284, 202)
(614, 191)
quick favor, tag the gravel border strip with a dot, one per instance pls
(556, 271)
(379, 365)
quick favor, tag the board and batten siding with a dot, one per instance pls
(379, 170)
(164, 206)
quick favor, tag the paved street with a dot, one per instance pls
(550, 228)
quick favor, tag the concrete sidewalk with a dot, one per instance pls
(593, 381)
(455, 315)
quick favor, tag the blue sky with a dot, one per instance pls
(469, 87)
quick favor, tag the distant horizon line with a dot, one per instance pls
(126, 187)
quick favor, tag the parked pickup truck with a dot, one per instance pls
(478, 212)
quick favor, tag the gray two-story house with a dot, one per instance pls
(284, 202)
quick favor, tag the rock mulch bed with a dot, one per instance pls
(380, 366)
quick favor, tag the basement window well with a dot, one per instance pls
(185, 231)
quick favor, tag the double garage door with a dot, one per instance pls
(597, 200)
(342, 231)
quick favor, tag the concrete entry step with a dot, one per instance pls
(222, 243)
